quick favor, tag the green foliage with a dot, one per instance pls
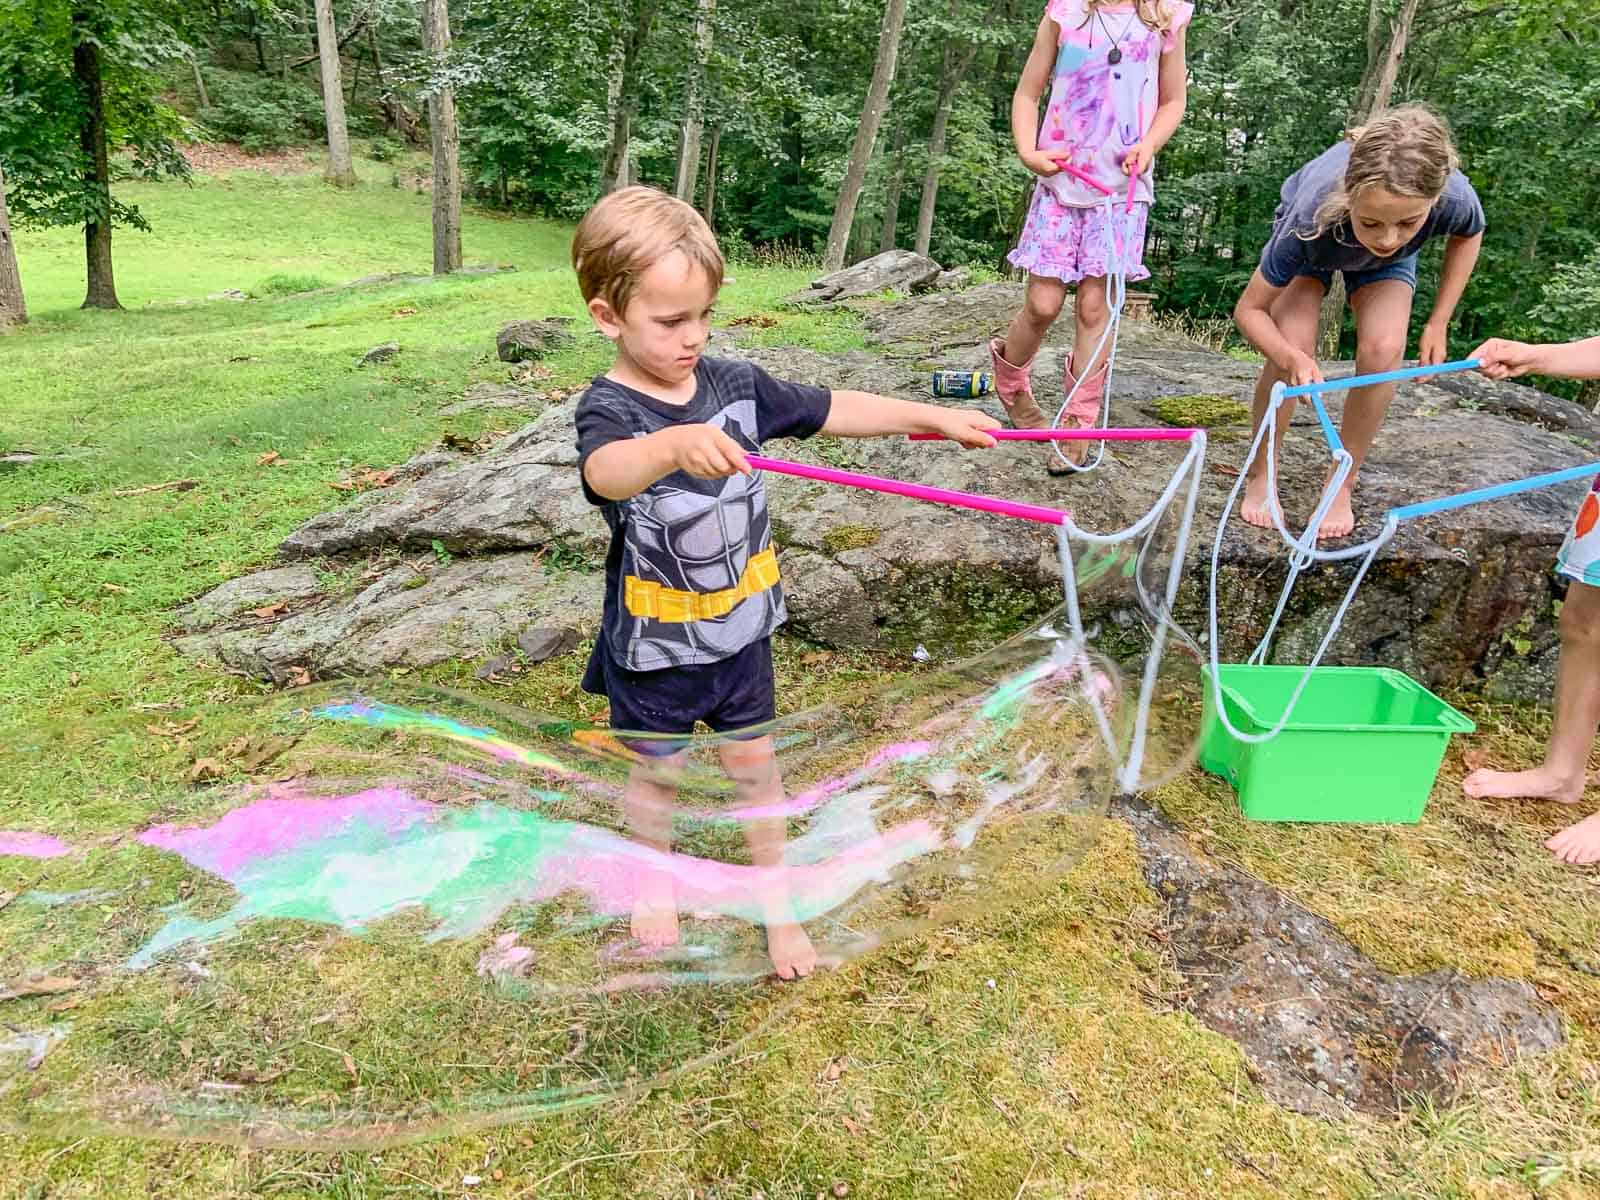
(42, 106)
(264, 113)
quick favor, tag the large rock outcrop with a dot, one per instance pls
(1468, 592)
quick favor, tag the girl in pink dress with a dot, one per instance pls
(1117, 91)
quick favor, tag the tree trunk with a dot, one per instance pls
(624, 87)
(102, 284)
(844, 211)
(1374, 94)
(891, 191)
(957, 60)
(446, 145)
(199, 82)
(694, 105)
(13, 308)
(261, 46)
(355, 83)
(341, 171)
(709, 212)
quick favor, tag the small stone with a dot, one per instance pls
(841, 1190)
(529, 341)
(379, 354)
(493, 667)
(540, 644)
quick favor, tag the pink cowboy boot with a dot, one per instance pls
(1083, 412)
(1015, 388)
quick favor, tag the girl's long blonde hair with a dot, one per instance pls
(1406, 150)
(1154, 14)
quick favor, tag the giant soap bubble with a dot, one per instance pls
(425, 912)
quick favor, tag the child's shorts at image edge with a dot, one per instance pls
(729, 695)
(1579, 558)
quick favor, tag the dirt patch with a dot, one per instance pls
(219, 158)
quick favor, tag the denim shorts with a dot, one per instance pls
(1403, 269)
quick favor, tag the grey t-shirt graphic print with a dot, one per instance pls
(692, 575)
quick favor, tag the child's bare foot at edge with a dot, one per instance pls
(1578, 844)
(1258, 505)
(655, 914)
(1541, 783)
(793, 956)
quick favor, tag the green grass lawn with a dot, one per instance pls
(905, 1075)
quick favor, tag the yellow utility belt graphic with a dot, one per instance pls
(646, 599)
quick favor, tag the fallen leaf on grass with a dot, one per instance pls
(834, 1069)
(404, 312)
(72, 680)
(1475, 759)
(299, 677)
(457, 441)
(253, 753)
(66, 1003)
(112, 587)
(362, 478)
(267, 459)
(37, 985)
(758, 319)
(206, 768)
(1221, 469)
(172, 729)
(172, 485)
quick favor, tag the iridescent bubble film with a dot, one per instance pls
(431, 912)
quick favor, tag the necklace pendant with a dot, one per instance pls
(1115, 56)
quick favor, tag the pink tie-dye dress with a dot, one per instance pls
(1098, 111)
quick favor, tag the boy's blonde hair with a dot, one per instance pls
(631, 230)
(1406, 150)
(1154, 14)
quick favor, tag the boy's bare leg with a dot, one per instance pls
(1383, 313)
(753, 767)
(1295, 312)
(1562, 775)
(647, 804)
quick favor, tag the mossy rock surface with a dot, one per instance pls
(1201, 410)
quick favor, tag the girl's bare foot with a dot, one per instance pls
(1258, 505)
(793, 955)
(1340, 520)
(1578, 844)
(1541, 783)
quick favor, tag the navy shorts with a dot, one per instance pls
(1403, 268)
(728, 695)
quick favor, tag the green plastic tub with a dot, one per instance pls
(1363, 745)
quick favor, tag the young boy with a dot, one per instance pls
(1564, 772)
(692, 590)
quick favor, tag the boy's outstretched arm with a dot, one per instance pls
(864, 414)
(1499, 358)
(622, 469)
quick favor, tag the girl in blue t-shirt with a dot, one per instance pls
(1363, 207)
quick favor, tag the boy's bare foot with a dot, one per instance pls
(655, 914)
(1341, 518)
(793, 955)
(1578, 844)
(1258, 505)
(1541, 783)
